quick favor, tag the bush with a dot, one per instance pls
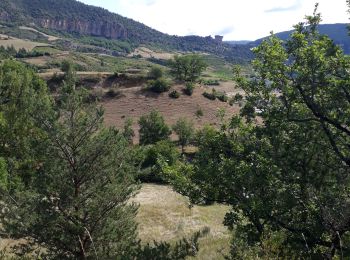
(159, 85)
(222, 96)
(211, 82)
(238, 98)
(189, 88)
(210, 96)
(199, 112)
(216, 95)
(174, 94)
(150, 169)
(155, 73)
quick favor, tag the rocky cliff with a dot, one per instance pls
(103, 29)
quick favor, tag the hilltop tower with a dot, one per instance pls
(219, 38)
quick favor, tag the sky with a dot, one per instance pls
(234, 19)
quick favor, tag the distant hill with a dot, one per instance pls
(339, 33)
(76, 18)
(238, 42)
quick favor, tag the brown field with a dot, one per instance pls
(49, 37)
(135, 102)
(148, 53)
(37, 61)
(18, 43)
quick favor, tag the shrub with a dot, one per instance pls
(222, 96)
(199, 112)
(159, 85)
(210, 96)
(238, 98)
(189, 88)
(174, 94)
(155, 73)
(150, 169)
(211, 82)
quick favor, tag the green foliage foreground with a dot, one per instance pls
(285, 166)
(65, 179)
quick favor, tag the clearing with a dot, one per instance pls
(8, 41)
(165, 215)
(135, 102)
(148, 53)
(49, 37)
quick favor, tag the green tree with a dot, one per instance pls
(159, 85)
(23, 98)
(287, 177)
(155, 73)
(153, 128)
(77, 206)
(187, 67)
(162, 150)
(185, 131)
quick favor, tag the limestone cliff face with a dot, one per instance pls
(103, 29)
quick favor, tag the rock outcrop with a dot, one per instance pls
(102, 29)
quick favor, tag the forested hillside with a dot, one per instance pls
(70, 16)
(337, 32)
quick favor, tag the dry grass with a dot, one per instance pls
(148, 53)
(37, 61)
(164, 215)
(135, 102)
(49, 37)
(19, 43)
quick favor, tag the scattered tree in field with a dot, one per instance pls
(153, 128)
(286, 178)
(185, 131)
(187, 67)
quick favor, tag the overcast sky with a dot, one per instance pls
(235, 19)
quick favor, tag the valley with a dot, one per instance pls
(118, 141)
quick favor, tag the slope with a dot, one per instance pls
(76, 18)
(338, 32)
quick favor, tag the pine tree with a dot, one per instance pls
(78, 204)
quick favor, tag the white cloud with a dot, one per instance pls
(236, 19)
